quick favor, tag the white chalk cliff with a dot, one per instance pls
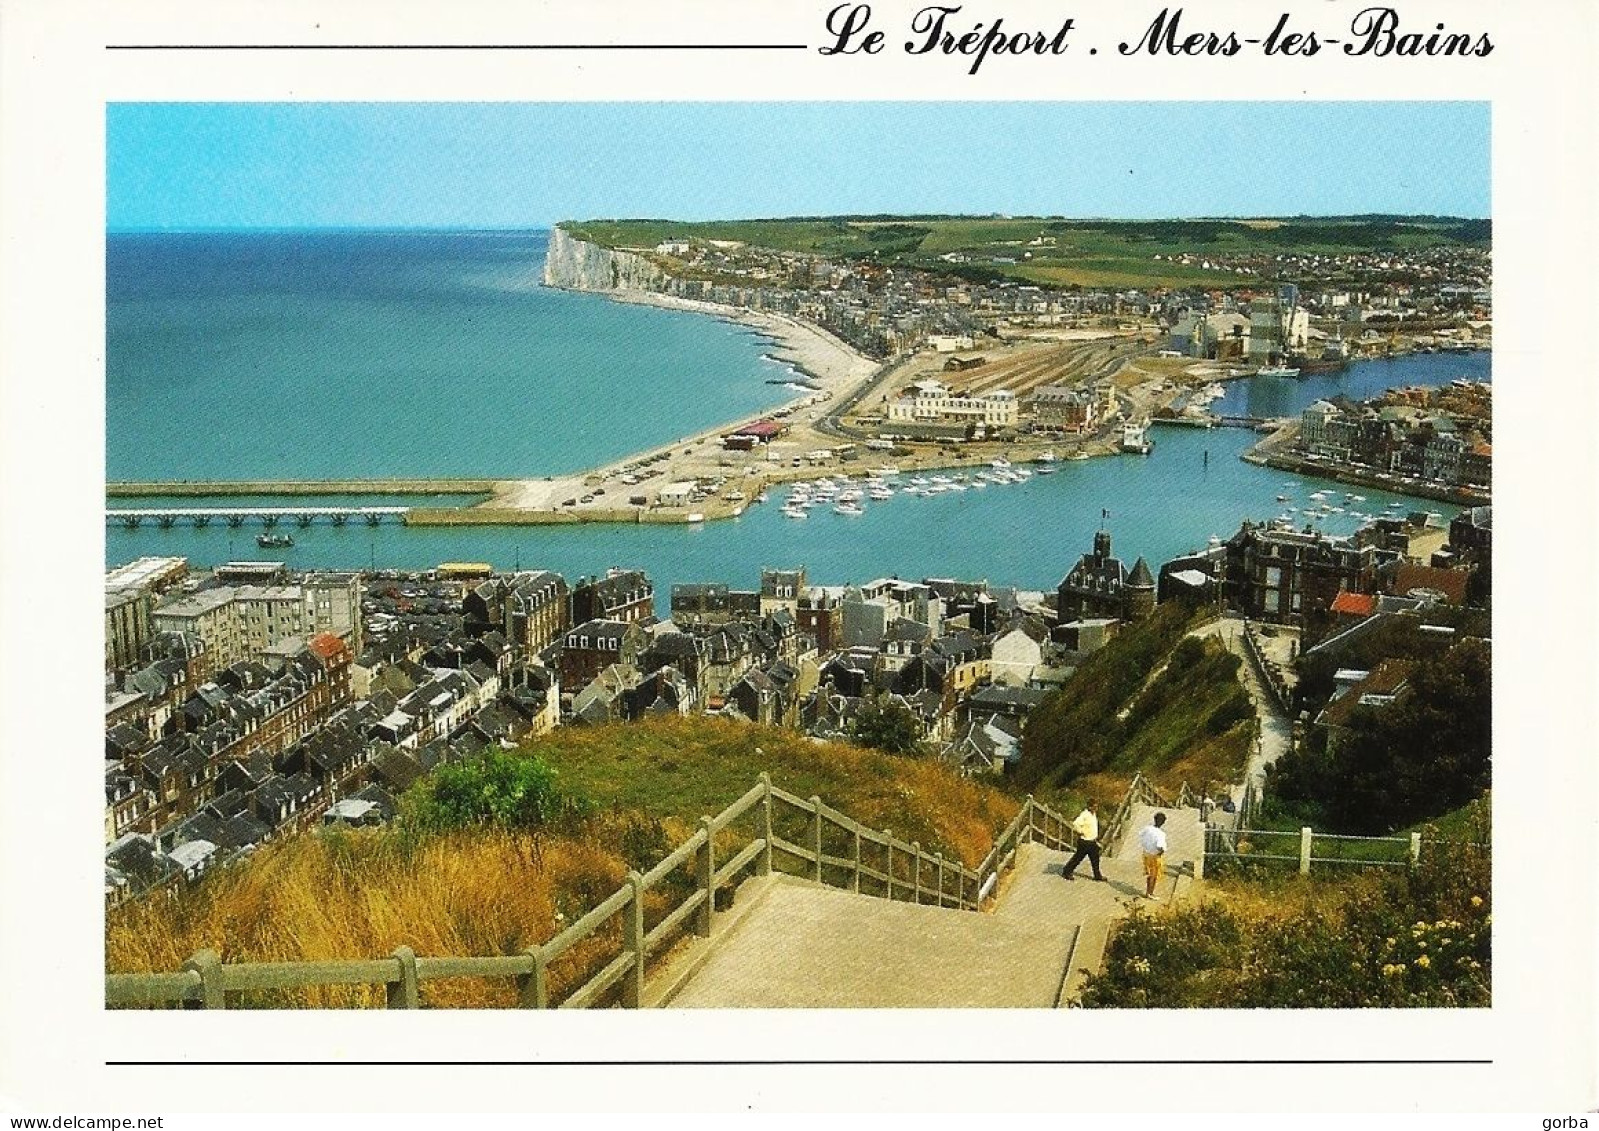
(578, 265)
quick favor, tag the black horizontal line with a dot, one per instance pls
(751, 1063)
(456, 47)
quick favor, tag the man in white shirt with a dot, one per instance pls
(1086, 826)
(1152, 839)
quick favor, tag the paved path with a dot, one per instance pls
(807, 946)
(1275, 736)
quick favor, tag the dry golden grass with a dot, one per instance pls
(360, 894)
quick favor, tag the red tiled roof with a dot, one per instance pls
(325, 646)
(1450, 582)
(1355, 604)
(760, 428)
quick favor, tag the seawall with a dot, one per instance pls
(578, 265)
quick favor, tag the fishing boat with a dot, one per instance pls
(274, 541)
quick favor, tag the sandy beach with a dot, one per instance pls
(600, 494)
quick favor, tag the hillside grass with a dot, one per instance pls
(1330, 940)
(341, 894)
(1153, 700)
(683, 768)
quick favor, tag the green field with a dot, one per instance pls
(1054, 251)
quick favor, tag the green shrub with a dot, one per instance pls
(495, 789)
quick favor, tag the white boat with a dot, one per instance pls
(849, 509)
(696, 516)
(957, 486)
(1078, 454)
(1001, 464)
(761, 498)
(884, 472)
(1276, 371)
(1047, 457)
(1282, 498)
(979, 482)
(918, 481)
(796, 512)
(881, 493)
(1022, 473)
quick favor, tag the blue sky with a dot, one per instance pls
(285, 165)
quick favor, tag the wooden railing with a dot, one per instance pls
(1139, 792)
(837, 850)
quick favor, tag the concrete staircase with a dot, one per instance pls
(792, 943)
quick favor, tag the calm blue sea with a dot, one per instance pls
(359, 354)
(343, 354)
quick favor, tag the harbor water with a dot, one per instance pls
(430, 354)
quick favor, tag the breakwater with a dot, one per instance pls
(196, 489)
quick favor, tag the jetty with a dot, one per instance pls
(199, 517)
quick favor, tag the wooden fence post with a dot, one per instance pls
(766, 824)
(888, 835)
(403, 994)
(916, 871)
(633, 940)
(816, 836)
(1304, 851)
(1415, 849)
(939, 858)
(707, 880)
(1204, 846)
(1025, 833)
(855, 880)
(533, 988)
(208, 964)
